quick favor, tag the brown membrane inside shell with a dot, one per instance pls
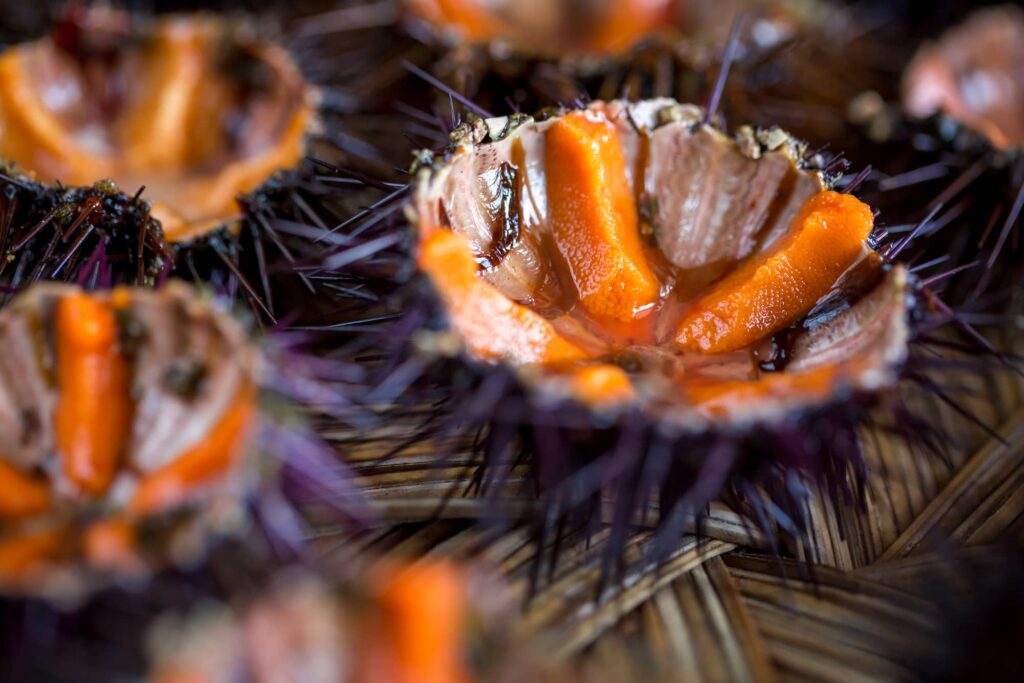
(974, 74)
(190, 107)
(493, 220)
(599, 26)
(116, 410)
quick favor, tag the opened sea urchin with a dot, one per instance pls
(627, 253)
(426, 622)
(401, 624)
(950, 154)
(611, 26)
(972, 74)
(201, 119)
(654, 311)
(536, 53)
(191, 107)
(125, 420)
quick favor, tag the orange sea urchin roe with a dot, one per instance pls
(626, 22)
(207, 460)
(84, 497)
(425, 607)
(493, 326)
(681, 318)
(771, 291)
(601, 384)
(594, 218)
(94, 408)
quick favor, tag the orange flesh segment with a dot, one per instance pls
(594, 217)
(473, 20)
(627, 22)
(22, 554)
(425, 607)
(493, 326)
(210, 458)
(94, 408)
(164, 138)
(771, 291)
(601, 384)
(719, 398)
(110, 544)
(21, 495)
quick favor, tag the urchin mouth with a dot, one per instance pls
(972, 74)
(125, 422)
(630, 254)
(195, 109)
(595, 28)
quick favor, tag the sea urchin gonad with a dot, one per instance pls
(628, 253)
(194, 108)
(124, 419)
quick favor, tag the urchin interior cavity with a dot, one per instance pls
(196, 110)
(637, 238)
